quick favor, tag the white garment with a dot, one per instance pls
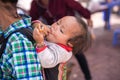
(95, 6)
(53, 54)
(24, 4)
(98, 1)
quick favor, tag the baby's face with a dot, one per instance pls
(62, 30)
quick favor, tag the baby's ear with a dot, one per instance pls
(70, 44)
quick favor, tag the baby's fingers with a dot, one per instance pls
(35, 33)
(46, 30)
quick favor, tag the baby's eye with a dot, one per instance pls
(61, 30)
(57, 23)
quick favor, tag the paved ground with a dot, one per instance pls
(103, 58)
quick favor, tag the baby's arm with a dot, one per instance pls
(53, 54)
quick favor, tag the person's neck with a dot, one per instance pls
(8, 15)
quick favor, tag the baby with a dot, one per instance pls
(56, 43)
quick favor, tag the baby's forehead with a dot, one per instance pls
(68, 20)
(74, 28)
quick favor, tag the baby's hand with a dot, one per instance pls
(44, 29)
(38, 36)
(40, 31)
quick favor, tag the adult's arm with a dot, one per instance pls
(75, 5)
(84, 12)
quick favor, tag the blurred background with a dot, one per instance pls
(103, 57)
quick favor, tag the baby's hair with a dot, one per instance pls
(82, 41)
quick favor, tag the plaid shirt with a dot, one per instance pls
(19, 60)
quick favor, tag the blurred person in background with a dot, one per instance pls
(98, 6)
(19, 60)
(106, 6)
(50, 11)
(106, 15)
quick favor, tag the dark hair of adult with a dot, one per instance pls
(11, 1)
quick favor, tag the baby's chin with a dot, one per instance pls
(50, 40)
(47, 39)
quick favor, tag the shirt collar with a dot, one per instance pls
(24, 22)
(65, 47)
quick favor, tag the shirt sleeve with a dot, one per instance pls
(75, 5)
(36, 11)
(52, 55)
(26, 63)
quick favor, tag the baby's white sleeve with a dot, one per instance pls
(53, 55)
